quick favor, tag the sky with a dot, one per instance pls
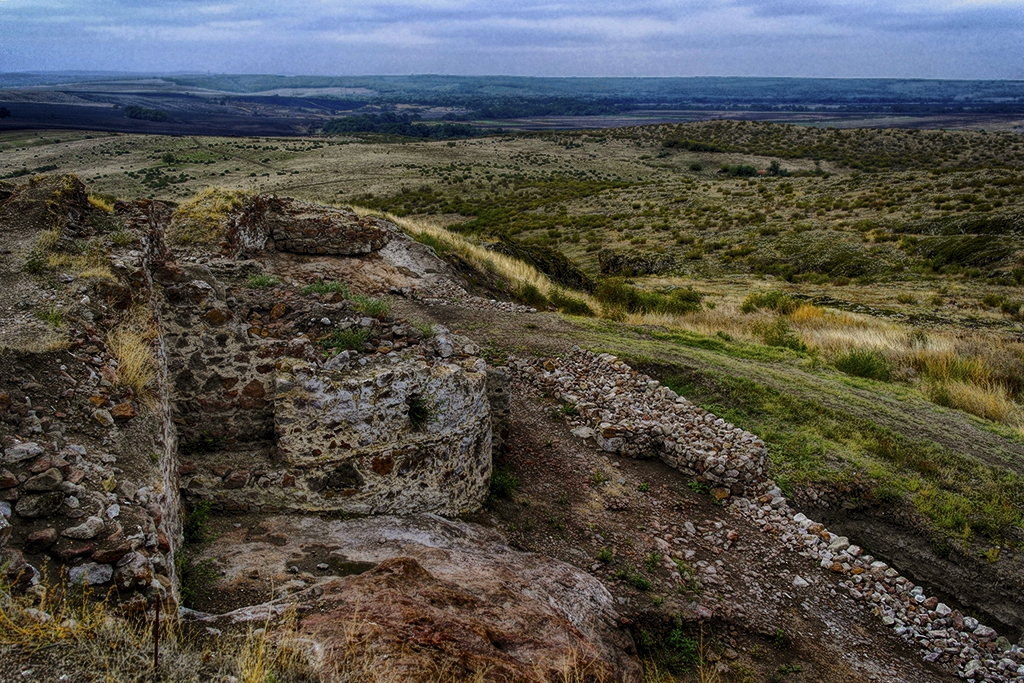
(957, 39)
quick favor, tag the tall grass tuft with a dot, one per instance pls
(131, 343)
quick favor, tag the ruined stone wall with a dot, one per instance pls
(299, 227)
(88, 480)
(219, 375)
(629, 413)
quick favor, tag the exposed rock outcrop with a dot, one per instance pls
(425, 592)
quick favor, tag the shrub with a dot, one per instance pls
(195, 527)
(864, 363)
(530, 294)
(605, 555)
(774, 300)
(615, 294)
(570, 305)
(503, 482)
(779, 333)
(421, 412)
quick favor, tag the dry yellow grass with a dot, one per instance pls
(512, 270)
(35, 339)
(201, 220)
(48, 240)
(131, 343)
(101, 203)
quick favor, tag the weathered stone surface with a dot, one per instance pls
(7, 479)
(47, 481)
(357, 434)
(436, 587)
(22, 451)
(38, 541)
(122, 412)
(90, 574)
(42, 505)
(5, 531)
(104, 417)
(88, 529)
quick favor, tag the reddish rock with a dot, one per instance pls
(278, 311)
(122, 411)
(7, 479)
(167, 272)
(237, 479)
(254, 389)
(67, 553)
(111, 555)
(187, 469)
(220, 470)
(162, 543)
(38, 541)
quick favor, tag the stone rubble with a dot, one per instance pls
(628, 413)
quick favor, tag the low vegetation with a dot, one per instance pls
(202, 219)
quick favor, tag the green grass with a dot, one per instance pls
(261, 281)
(349, 339)
(52, 315)
(503, 482)
(811, 443)
(375, 308)
(864, 363)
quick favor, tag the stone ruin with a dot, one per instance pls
(247, 411)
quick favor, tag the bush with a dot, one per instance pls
(778, 333)
(529, 294)
(865, 363)
(780, 302)
(570, 305)
(616, 294)
(421, 412)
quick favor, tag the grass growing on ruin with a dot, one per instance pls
(131, 342)
(350, 339)
(261, 281)
(201, 220)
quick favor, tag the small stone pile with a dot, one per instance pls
(629, 413)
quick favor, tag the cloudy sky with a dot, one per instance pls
(832, 38)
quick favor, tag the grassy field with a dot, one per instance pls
(851, 295)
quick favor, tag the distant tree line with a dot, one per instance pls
(399, 124)
(4, 112)
(144, 114)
